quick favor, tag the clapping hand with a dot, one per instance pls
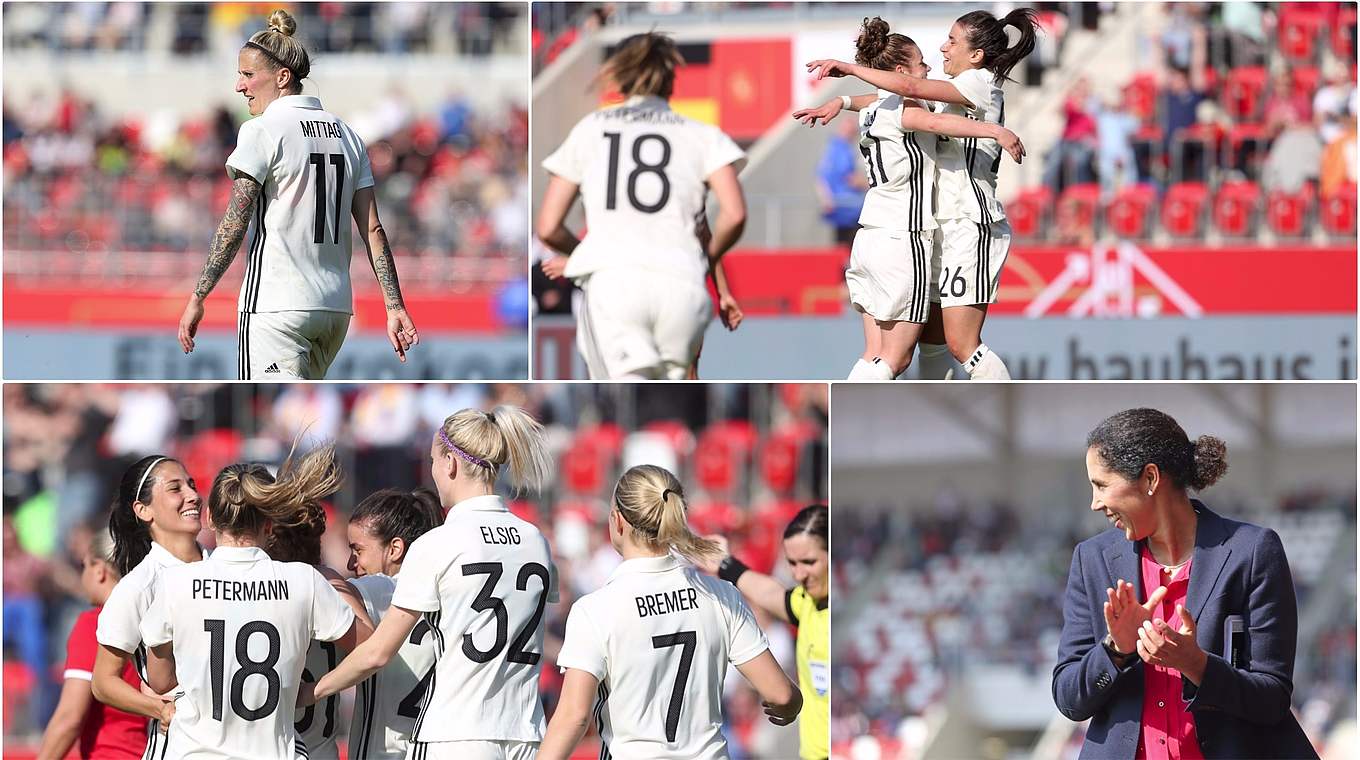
(1160, 644)
(1124, 616)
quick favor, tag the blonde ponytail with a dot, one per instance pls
(244, 496)
(652, 501)
(489, 440)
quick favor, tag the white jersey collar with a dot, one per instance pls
(162, 556)
(295, 101)
(647, 565)
(654, 102)
(239, 554)
(492, 503)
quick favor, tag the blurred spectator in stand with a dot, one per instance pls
(1179, 107)
(384, 421)
(1069, 162)
(840, 181)
(24, 625)
(1285, 104)
(1294, 158)
(1245, 31)
(1115, 128)
(1339, 159)
(1331, 103)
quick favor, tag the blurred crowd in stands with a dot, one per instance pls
(452, 180)
(750, 457)
(933, 592)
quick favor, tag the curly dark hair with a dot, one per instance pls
(1134, 438)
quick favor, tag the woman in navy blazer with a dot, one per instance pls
(1232, 638)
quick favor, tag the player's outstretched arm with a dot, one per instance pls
(831, 108)
(572, 716)
(64, 727)
(401, 331)
(245, 193)
(551, 225)
(906, 86)
(367, 658)
(780, 697)
(731, 221)
(108, 686)
(918, 119)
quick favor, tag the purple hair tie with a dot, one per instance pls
(463, 455)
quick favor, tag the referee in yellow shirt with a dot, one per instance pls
(808, 606)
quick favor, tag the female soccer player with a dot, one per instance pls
(154, 525)
(103, 732)
(974, 236)
(646, 655)
(1179, 625)
(301, 542)
(889, 275)
(807, 605)
(480, 581)
(643, 171)
(381, 531)
(295, 171)
(232, 632)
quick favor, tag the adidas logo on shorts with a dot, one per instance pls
(272, 368)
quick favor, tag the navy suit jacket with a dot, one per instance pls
(1242, 708)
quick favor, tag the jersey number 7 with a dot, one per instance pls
(687, 641)
(319, 224)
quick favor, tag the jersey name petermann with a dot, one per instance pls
(900, 167)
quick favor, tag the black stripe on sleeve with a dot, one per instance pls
(788, 606)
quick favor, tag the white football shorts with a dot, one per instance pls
(642, 323)
(968, 261)
(288, 345)
(889, 275)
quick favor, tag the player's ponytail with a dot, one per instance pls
(1004, 42)
(300, 542)
(488, 440)
(1132, 439)
(244, 496)
(652, 501)
(643, 64)
(879, 48)
(281, 49)
(131, 535)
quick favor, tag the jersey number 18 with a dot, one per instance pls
(246, 667)
(641, 167)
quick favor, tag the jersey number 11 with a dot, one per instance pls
(319, 161)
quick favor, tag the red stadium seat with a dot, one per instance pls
(1076, 215)
(1298, 34)
(1245, 149)
(590, 460)
(779, 459)
(1338, 213)
(1287, 213)
(1306, 79)
(1343, 33)
(1183, 209)
(1140, 95)
(1029, 212)
(1129, 213)
(1243, 92)
(19, 685)
(1236, 208)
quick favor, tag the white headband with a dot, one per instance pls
(142, 482)
(1012, 39)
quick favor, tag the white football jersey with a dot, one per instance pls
(310, 164)
(659, 637)
(121, 619)
(241, 625)
(968, 166)
(316, 725)
(482, 579)
(388, 703)
(642, 170)
(900, 165)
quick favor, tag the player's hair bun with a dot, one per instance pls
(1211, 461)
(282, 21)
(872, 40)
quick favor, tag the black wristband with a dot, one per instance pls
(731, 568)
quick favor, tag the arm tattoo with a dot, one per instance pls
(227, 241)
(385, 268)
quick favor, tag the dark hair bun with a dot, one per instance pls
(1211, 461)
(872, 41)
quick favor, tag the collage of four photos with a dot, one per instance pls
(512, 380)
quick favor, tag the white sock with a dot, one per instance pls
(985, 365)
(879, 370)
(936, 363)
(857, 371)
